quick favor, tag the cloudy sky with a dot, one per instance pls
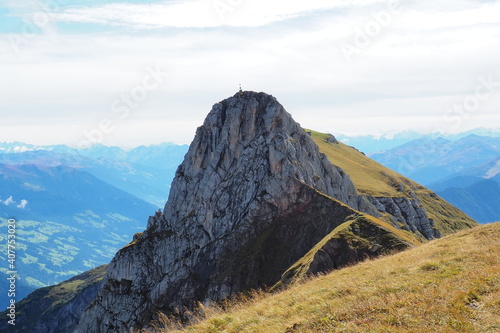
(140, 72)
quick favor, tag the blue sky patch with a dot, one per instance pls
(8, 22)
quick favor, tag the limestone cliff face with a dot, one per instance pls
(249, 184)
(408, 214)
(242, 162)
(252, 197)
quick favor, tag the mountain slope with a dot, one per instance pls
(147, 178)
(448, 285)
(467, 177)
(56, 309)
(61, 191)
(475, 190)
(145, 171)
(480, 200)
(371, 144)
(375, 180)
(359, 238)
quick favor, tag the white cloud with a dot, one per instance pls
(256, 13)
(23, 204)
(200, 13)
(8, 201)
(487, 14)
(427, 59)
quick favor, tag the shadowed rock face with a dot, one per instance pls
(250, 170)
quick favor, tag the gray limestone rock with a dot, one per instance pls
(249, 165)
(331, 138)
(407, 213)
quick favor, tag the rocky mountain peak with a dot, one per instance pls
(249, 169)
(252, 196)
(246, 160)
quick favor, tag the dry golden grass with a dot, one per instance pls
(394, 240)
(369, 176)
(448, 285)
(374, 179)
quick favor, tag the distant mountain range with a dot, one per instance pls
(465, 172)
(475, 190)
(76, 208)
(370, 144)
(145, 172)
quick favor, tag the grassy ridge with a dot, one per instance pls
(448, 285)
(369, 176)
(362, 235)
(374, 179)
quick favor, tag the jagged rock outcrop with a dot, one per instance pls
(252, 197)
(252, 179)
(250, 148)
(332, 139)
(407, 213)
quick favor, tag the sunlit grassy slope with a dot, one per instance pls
(374, 179)
(448, 285)
(369, 231)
